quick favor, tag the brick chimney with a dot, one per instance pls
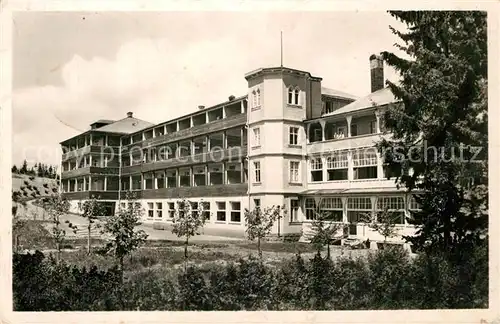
(130, 114)
(376, 72)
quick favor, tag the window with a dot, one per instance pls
(365, 164)
(221, 211)
(310, 206)
(256, 203)
(294, 171)
(254, 98)
(171, 178)
(358, 208)
(294, 210)
(328, 107)
(354, 130)
(290, 95)
(185, 178)
(258, 97)
(148, 181)
(257, 171)
(318, 135)
(150, 210)
(296, 93)
(293, 136)
(256, 137)
(215, 174)
(316, 169)
(332, 209)
(373, 127)
(206, 209)
(171, 210)
(199, 176)
(136, 182)
(394, 205)
(159, 210)
(235, 211)
(194, 209)
(337, 166)
(160, 180)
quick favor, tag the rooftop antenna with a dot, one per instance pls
(281, 52)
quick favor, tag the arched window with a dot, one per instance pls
(296, 93)
(254, 99)
(258, 97)
(290, 95)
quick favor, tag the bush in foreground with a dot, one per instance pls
(388, 279)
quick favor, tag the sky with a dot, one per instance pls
(73, 68)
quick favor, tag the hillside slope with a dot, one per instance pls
(30, 186)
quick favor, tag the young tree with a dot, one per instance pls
(187, 222)
(325, 230)
(91, 209)
(57, 206)
(439, 128)
(14, 169)
(259, 223)
(121, 226)
(383, 223)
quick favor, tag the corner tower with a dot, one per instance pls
(279, 100)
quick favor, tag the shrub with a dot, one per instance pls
(387, 279)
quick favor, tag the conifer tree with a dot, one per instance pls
(439, 127)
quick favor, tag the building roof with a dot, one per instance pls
(126, 125)
(103, 121)
(280, 69)
(378, 98)
(336, 93)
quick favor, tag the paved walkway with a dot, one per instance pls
(209, 234)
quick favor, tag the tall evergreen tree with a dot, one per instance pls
(24, 167)
(440, 136)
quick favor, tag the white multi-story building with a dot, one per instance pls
(289, 142)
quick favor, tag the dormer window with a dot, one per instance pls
(293, 96)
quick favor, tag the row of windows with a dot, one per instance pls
(358, 207)
(200, 175)
(293, 136)
(294, 172)
(223, 208)
(293, 97)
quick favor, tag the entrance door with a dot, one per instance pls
(353, 218)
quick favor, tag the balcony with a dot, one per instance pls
(229, 154)
(214, 126)
(81, 195)
(367, 140)
(239, 189)
(89, 171)
(105, 150)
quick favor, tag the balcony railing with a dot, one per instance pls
(231, 154)
(105, 150)
(224, 190)
(91, 170)
(211, 127)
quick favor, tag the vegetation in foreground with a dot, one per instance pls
(387, 279)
